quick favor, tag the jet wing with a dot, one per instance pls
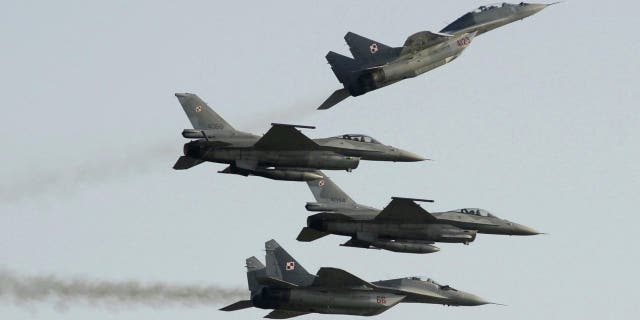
(338, 278)
(422, 40)
(286, 137)
(284, 314)
(406, 210)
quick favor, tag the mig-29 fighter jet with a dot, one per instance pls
(402, 226)
(283, 153)
(375, 65)
(487, 18)
(286, 287)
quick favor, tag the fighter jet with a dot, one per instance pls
(487, 18)
(283, 153)
(402, 226)
(286, 287)
(375, 65)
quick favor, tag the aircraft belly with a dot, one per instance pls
(350, 302)
(293, 159)
(402, 231)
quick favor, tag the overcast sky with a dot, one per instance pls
(536, 122)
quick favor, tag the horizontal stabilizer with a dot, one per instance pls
(406, 210)
(338, 278)
(242, 304)
(284, 314)
(335, 98)
(273, 282)
(308, 235)
(285, 137)
(185, 162)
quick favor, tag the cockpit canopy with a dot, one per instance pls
(429, 280)
(359, 138)
(476, 212)
(499, 5)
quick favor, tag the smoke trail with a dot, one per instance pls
(22, 290)
(136, 161)
(67, 180)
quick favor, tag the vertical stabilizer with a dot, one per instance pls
(201, 115)
(281, 265)
(255, 269)
(370, 52)
(326, 191)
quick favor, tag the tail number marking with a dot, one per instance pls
(464, 42)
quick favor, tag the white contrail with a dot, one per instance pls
(22, 290)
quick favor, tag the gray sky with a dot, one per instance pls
(537, 122)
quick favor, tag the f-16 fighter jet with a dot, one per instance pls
(402, 226)
(375, 65)
(283, 153)
(285, 286)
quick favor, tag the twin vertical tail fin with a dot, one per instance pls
(255, 271)
(282, 266)
(343, 67)
(370, 52)
(202, 117)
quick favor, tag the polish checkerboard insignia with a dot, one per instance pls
(373, 48)
(290, 265)
(321, 183)
(198, 108)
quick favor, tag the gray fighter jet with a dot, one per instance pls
(402, 226)
(487, 18)
(375, 65)
(283, 153)
(285, 286)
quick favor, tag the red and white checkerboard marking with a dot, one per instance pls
(373, 48)
(290, 265)
(321, 183)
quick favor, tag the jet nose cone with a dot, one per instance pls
(406, 156)
(468, 299)
(522, 230)
(533, 8)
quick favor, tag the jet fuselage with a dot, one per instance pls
(487, 18)
(337, 153)
(327, 301)
(409, 65)
(438, 232)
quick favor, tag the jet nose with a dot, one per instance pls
(522, 230)
(406, 156)
(533, 8)
(468, 299)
